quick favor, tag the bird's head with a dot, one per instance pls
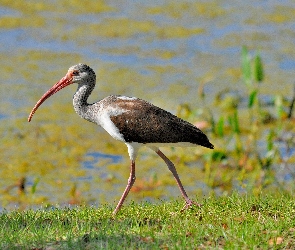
(80, 74)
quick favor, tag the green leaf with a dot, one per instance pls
(215, 156)
(34, 186)
(246, 66)
(258, 68)
(252, 98)
(270, 140)
(212, 122)
(218, 156)
(220, 127)
(234, 122)
(279, 106)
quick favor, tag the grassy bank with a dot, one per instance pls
(233, 222)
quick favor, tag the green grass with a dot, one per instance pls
(233, 222)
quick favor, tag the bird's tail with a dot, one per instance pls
(208, 145)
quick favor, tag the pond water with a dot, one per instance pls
(160, 51)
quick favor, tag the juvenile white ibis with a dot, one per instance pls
(131, 120)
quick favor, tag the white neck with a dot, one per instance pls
(82, 108)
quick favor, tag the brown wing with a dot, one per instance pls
(145, 123)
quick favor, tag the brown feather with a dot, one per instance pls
(143, 122)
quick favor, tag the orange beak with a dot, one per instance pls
(62, 83)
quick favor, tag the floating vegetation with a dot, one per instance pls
(20, 22)
(185, 50)
(33, 6)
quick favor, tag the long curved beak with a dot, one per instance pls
(62, 83)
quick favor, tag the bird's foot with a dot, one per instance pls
(189, 204)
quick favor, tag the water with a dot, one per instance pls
(138, 49)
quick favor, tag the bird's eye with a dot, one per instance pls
(75, 73)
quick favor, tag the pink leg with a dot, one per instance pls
(130, 183)
(172, 168)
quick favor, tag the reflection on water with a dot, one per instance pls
(94, 159)
(96, 156)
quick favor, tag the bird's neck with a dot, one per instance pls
(80, 104)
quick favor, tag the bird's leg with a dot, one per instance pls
(172, 168)
(130, 183)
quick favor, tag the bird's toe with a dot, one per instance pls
(189, 204)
